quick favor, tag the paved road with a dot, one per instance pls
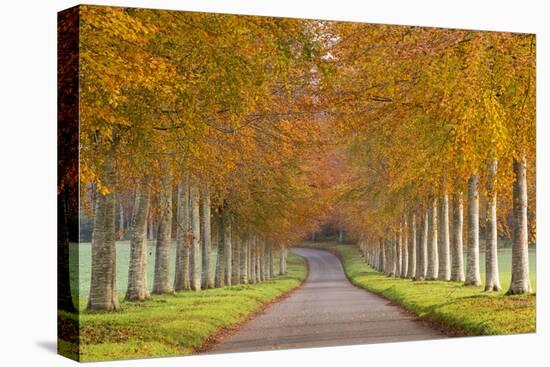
(326, 311)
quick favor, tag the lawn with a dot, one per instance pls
(171, 325)
(459, 309)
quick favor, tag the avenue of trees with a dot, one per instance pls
(439, 134)
(239, 134)
(203, 127)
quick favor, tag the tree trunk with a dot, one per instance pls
(411, 267)
(236, 263)
(457, 255)
(150, 229)
(282, 260)
(421, 245)
(393, 254)
(397, 251)
(64, 296)
(253, 258)
(271, 267)
(137, 272)
(120, 222)
(444, 258)
(103, 290)
(492, 281)
(181, 277)
(263, 259)
(340, 236)
(207, 240)
(382, 254)
(472, 271)
(403, 237)
(433, 260)
(228, 250)
(520, 283)
(244, 260)
(220, 256)
(161, 282)
(258, 262)
(196, 270)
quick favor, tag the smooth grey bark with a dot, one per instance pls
(244, 260)
(196, 270)
(340, 236)
(421, 246)
(258, 260)
(389, 267)
(411, 267)
(248, 258)
(183, 243)
(397, 251)
(103, 290)
(252, 260)
(270, 270)
(433, 259)
(403, 233)
(121, 222)
(236, 260)
(219, 281)
(150, 229)
(228, 249)
(161, 283)
(444, 255)
(457, 248)
(282, 260)
(137, 272)
(208, 281)
(520, 283)
(263, 259)
(492, 281)
(473, 276)
(382, 255)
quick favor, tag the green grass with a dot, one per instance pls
(80, 258)
(460, 309)
(171, 325)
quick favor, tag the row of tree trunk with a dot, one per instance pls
(425, 248)
(240, 259)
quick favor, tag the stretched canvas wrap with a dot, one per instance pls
(232, 183)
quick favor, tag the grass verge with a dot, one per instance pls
(170, 325)
(460, 310)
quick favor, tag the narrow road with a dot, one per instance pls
(326, 311)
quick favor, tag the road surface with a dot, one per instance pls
(326, 311)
